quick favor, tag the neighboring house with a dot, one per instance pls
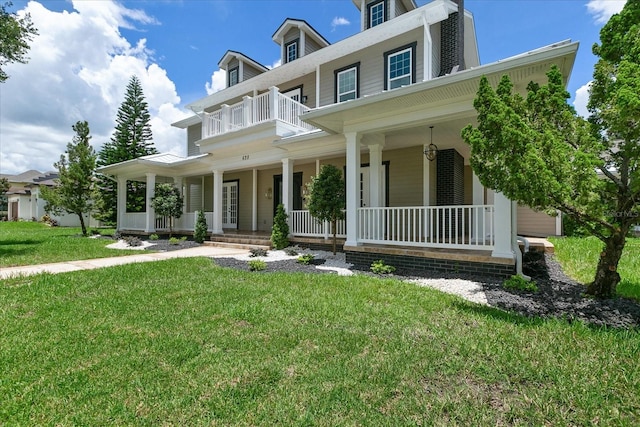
(23, 200)
(387, 105)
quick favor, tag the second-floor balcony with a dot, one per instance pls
(271, 106)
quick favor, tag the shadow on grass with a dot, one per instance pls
(20, 242)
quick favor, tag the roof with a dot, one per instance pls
(235, 54)
(302, 25)
(161, 161)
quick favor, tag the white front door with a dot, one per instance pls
(365, 187)
(230, 205)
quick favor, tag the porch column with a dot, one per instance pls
(478, 200)
(178, 183)
(121, 202)
(375, 184)
(217, 201)
(287, 185)
(353, 183)
(151, 214)
(503, 228)
(254, 202)
(273, 101)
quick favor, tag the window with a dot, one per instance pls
(376, 13)
(233, 76)
(346, 82)
(400, 67)
(292, 50)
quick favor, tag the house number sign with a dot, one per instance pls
(245, 157)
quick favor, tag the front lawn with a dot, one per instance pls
(29, 243)
(183, 342)
(579, 258)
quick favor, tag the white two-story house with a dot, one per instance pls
(386, 106)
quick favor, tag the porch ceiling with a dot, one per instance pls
(440, 99)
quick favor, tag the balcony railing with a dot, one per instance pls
(137, 222)
(301, 223)
(252, 111)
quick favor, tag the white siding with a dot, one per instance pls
(535, 224)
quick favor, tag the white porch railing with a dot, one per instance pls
(251, 111)
(137, 222)
(133, 221)
(301, 223)
(454, 227)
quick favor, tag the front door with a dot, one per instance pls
(297, 191)
(230, 204)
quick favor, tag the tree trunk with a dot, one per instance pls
(607, 277)
(84, 227)
(334, 226)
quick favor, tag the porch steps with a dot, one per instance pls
(240, 241)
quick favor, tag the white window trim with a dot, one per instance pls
(355, 87)
(231, 83)
(293, 44)
(384, 12)
(410, 75)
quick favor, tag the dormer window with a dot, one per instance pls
(233, 76)
(292, 50)
(376, 13)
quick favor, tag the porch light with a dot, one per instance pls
(432, 150)
(269, 193)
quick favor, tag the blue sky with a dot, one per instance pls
(86, 51)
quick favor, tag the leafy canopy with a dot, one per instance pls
(327, 197)
(15, 34)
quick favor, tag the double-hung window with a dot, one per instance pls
(292, 50)
(233, 76)
(400, 67)
(376, 13)
(346, 80)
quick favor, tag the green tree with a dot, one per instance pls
(73, 192)
(131, 139)
(327, 197)
(200, 229)
(4, 186)
(280, 230)
(168, 202)
(538, 152)
(15, 34)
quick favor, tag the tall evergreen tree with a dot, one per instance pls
(131, 139)
(74, 190)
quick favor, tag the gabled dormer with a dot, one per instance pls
(296, 39)
(376, 12)
(239, 67)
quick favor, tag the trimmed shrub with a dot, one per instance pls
(257, 265)
(280, 230)
(154, 237)
(200, 230)
(305, 259)
(379, 267)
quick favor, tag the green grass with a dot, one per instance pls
(183, 342)
(579, 258)
(29, 243)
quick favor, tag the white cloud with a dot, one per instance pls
(602, 10)
(218, 82)
(338, 21)
(581, 100)
(79, 67)
(275, 64)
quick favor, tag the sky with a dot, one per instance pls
(86, 52)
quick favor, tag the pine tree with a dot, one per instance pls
(73, 192)
(131, 139)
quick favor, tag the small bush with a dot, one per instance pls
(132, 241)
(305, 259)
(379, 267)
(174, 241)
(291, 251)
(280, 230)
(200, 229)
(256, 252)
(154, 237)
(518, 282)
(183, 239)
(257, 265)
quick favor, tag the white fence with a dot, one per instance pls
(301, 223)
(137, 221)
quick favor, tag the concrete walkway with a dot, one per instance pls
(90, 264)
